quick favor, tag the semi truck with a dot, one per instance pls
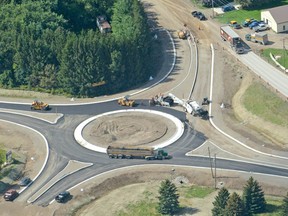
(260, 37)
(227, 34)
(130, 152)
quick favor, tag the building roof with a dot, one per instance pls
(280, 14)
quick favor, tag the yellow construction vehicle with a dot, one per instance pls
(182, 34)
(125, 101)
(39, 105)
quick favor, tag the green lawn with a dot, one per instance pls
(272, 208)
(196, 191)
(283, 60)
(262, 102)
(143, 207)
(241, 15)
(148, 206)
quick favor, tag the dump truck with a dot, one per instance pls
(227, 34)
(103, 24)
(39, 105)
(125, 101)
(130, 152)
(260, 37)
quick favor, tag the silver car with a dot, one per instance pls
(261, 27)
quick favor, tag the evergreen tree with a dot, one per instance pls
(284, 206)
(253, 197)
(220, 202)
(235, 206)
(168, 199)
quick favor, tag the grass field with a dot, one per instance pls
(195, 191)
(262, 102)
(241, 15)
(283, 60)
(272, 207)
(148, 205)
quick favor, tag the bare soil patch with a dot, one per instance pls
(131, 128)
(27, 151)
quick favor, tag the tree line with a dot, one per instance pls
(54, 46)
(225, 204)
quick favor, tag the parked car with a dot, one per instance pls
(227, 8)
(234, 24)
(247, 22)
(260, 27)
(253, 24)
(199, 15)
(10, 195)
(194, 13)
(25, 181)
(62, 197)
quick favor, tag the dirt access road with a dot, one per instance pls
(230, 74)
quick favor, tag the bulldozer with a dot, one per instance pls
(39, 105)
(125, 101)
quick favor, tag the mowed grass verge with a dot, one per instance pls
(261, 102)
(282, 55)
(148, 206)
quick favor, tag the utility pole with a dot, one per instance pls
(210, 163)
(213, 9)
(284, 54)
(215, 178)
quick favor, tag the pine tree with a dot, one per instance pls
(284, 206)
(253, 197)
(168, 199)
(235, 206)
(220, 202)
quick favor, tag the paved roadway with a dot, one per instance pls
(63, 148)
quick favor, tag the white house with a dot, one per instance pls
(276, 18)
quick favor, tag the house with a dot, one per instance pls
(276, 18)
(103, 24)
